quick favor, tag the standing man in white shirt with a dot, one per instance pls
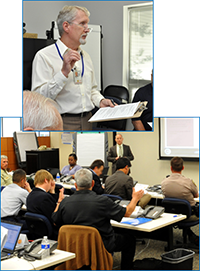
(64, 72)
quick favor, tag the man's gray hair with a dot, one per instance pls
(68, 14)
(83, 178)
(39, 112)
(4, 157)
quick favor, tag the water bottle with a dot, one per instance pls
(45, 247)
(57, 177)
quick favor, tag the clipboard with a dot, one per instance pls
(122, 111)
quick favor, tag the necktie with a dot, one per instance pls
(120, 151)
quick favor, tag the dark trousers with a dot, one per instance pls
(125, 242)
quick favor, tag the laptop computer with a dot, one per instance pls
(14, 230)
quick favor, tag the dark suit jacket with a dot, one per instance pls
(112, 154)
(41, 202)
(97, 185)
(119, 184)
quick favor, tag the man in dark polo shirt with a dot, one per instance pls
(144, 94)
(87, 208)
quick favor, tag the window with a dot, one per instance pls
(138, 46)
(10, 125)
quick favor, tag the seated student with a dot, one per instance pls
(14, 196)
(6, 178)
(122, 184)
(181, 187)
(72, 167)
(87, 208)
(97, 169)
(43, 199)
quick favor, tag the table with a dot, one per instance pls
(154, 194)
(157, 195)
(164, 220)
(160, 228)
(66, 185)
(57, 257)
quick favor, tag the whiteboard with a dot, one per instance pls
(25, 141)
(89, 147)
(93, 48)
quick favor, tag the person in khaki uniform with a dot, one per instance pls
(179, 186)
(6, 178)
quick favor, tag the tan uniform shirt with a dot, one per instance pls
(6, 178)
(178, 186)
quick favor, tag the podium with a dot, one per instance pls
(44, 159)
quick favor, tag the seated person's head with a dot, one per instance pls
(4, 162)
(177, 164)
(97, 166)
(72, 159)
(19, 177)
(43, 178)
(40, 113)
(83, 179)
(122, 162)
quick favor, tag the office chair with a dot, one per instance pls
(119, 92)
(73, 189)
(180, 206)
(87, 244)
(115, 198)
(39, 226)
(120, 95)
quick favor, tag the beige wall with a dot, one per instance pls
(146, 167)
(64, 149)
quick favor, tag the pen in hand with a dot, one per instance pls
(113, 102)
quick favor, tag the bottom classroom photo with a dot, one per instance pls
(117, 162)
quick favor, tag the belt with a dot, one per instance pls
(83, 114)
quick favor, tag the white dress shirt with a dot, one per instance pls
(12, 199)
(118, 151)
(48, 80)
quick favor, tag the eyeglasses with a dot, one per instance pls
(86, 28)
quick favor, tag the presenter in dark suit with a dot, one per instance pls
(119, 150)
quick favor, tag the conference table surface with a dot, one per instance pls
(157, 195)
(154, 195)
(57, 257)
(158, 229)
(164, 220)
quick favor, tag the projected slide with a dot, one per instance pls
(179, 137)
